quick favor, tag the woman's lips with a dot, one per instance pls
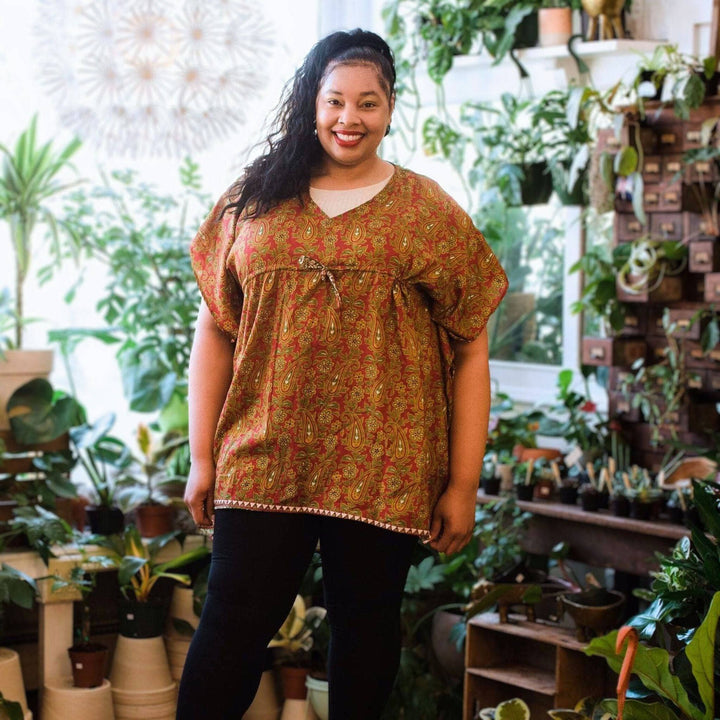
(347, 139)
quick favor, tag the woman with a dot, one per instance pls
(345, 301)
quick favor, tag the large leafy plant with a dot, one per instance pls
(140, 234)
(29, 178)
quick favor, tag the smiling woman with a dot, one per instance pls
(339, 384)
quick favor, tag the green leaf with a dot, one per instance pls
(635, 710)
(652, 666)
(711, 335)
(626, 161)
(128, 567)
(701, 653)
(37, 416)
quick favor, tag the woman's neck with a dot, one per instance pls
(338, 177)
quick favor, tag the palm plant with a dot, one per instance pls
(28, 180)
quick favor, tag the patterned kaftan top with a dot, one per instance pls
(339, 401)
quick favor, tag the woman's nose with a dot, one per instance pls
(348, 116)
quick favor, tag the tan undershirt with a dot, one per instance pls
(337, 202)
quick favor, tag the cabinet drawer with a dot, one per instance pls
(702, 171)
(669, 290)
(628, 227)
(695, 357)
(670, 137)
(635, 320)
(607, 141)
(612, 351)
(698, 227)
(620, 406)
(657, 348)
(653, 169)
(618, 377)
(712, 287)
(667, 226)
(703, 256)
(672, 167)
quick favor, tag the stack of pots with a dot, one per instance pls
(177, 643)
(63, 701)
(11, 680)
(142, 687)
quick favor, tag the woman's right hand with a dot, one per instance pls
(200, 493)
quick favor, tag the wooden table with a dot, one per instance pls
(597, 538)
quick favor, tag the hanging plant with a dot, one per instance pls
(648, 262)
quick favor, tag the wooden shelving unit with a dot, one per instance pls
(541, 663)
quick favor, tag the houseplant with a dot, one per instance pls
(144, 482)
(512, 140)
(141, 234)
(30, 176)
(21, 590)
(138, 572)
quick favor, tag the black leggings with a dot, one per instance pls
(258, 562)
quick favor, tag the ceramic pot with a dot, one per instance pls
(594, 611)
(140, 664)
(11, 679)
(523, 454)
(63, 701)
(605, 19)
(159, 704)
(555, 26)
(318, 697)
(88, 663)
(154, 519)
(640, 510)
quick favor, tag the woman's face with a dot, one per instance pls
(352, 113)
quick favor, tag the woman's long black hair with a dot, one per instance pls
(293, 150)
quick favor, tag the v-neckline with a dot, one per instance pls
(376, 196)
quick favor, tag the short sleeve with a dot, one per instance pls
(464, 279)
(209, 252)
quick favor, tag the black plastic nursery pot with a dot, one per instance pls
(537, 186)
(620, 506)
(142, 620)
(568, 494)
(104, 520)
(640, 510)
(491, 486)
(589, 501)
(524, 492)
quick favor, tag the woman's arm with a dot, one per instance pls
(454, 515)
(210, 373)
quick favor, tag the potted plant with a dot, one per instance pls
(88, 659)
(292, 648)
(513, 140)
(142, 614)
(30, 176)
(144, 483)
(15, 587)
(564, 117)
(555, 21)
(646, 263)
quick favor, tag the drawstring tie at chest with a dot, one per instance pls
(308, 263)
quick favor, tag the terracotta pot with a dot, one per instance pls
(88, 664)
(154, 519)
(523, 454)
(266, 704)
(141, 665)
(11, 679)
(17, 368)
(451, 660)
(292, 680)
(61, 701)
(555, 25)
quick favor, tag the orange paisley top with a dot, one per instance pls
(342, 371)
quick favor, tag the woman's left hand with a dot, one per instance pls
(453, 520)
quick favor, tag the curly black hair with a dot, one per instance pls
(293, 151)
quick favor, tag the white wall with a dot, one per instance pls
(21, 95)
